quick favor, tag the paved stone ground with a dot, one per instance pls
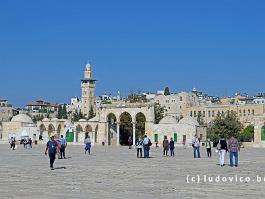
(113, 172)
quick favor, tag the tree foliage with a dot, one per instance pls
(247, 134)
(91, 113)
(226, 124)
(159, 112)
(166, 91)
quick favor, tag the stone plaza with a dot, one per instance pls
(115, 172)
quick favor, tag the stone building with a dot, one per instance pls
(20, 126)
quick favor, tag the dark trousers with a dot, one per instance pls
(165, 151)
(62, 151)
(139, 152)
(172, 152)
(52, 159)
(209, 152)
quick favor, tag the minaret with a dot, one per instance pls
(88, 91)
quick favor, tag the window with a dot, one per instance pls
(180, 98)
(175, 137)
(203, 113)
(156, 137)
(209, 113)
(253, 112)
(244, 112)
(213, 114)
(191, 113)
(240, 113)
(248, 111)
(195, 114)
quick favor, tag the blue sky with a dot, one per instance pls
(215, 46)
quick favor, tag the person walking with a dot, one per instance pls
(130, 141)
(52, 148)
(147, 144)
(222, 148)
(165, 146)
(30, 143)
(234, 149)
(196, 147)
(209, 148)
(63, 146)
(139, 146)
(87, 143)
(172, 147)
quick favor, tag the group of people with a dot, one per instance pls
(55, 146)
(27, 142)
(143, 145)
(223, 147)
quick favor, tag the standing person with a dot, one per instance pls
(130, 142)
(209, 148)
(30, 143)
(222, 147)
(52, 148)
(196, 147)
(184, 144)
(87, 143)
(13, 143)
(139, 146)
(233, 148)
(165, 146)
(156, 144)
(172, 147)
(63, 146)
(147, 143)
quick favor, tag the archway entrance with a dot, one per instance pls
(69, 135)
(42, 130)
(112, 128)
(51, 129)
(140, 125)
(263, 134)
(78, 131)
(126, 128)
(88, 131)
(59, 129)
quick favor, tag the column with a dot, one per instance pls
(134, 134)
(118, 134)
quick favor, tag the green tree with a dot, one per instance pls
(226, 124)
(247, 134)
(64, 112)
(91, 113)
(166, 91)
(60, 112)
(159, 112)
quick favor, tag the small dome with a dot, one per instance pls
(82, 120)
(54, 119)
(22, 118)
(168, 120)
(46, 119)
(189, 120)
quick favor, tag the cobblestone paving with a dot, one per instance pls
(115, 172)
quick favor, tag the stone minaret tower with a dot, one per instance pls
(88, 91)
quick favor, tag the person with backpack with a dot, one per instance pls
(209, 148)
(52, 148)
(196, 147)
(139, 146)
(147, 144)
(165, 146)
(222, 148)
(63, 146)
(172, 147)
